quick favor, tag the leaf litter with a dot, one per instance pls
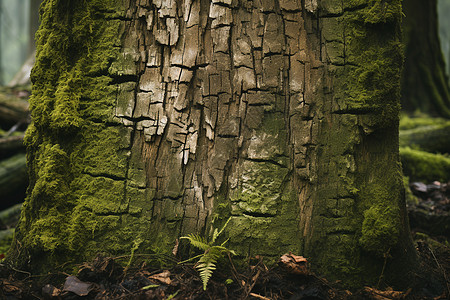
(105, 279)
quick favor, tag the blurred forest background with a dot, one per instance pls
(18, 23)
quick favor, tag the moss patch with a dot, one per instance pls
(374, 56)
(77, 156)
(424, 166)
(279, 233)
(380, 229)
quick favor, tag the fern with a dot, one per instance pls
(212, 253)
(197, 241)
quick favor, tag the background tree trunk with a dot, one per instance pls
(424, 82)
(155, 120)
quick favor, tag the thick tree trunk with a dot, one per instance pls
(155, 120)
(424, 81)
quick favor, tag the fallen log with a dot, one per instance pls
(432, 224)
(430, 138)
(13, 180)
(424, 166)
(10, 145)
(10, 216)
(13, 110)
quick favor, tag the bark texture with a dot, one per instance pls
(152, 120)
(425, 82)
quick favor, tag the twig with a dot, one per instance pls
(254, 279)
(234, 271)
(384, 266)
(259, 296)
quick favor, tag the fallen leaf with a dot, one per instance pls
(295, 264)
(163, 277)
(76, 286)
(50, 291)
(9, 287)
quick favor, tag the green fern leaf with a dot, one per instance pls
(208, 260)
(197, 241)
(206, 266)
(217, 233)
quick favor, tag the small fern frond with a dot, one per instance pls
(197, 241)
(216, 233)
(223, 244)
(208, 260)
(206, 266)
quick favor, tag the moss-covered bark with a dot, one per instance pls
(155, 120)
(424, 82)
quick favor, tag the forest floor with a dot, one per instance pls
(106, 278)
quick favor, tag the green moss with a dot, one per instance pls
(77, 156)
(424, 166)
(358, 170)
(380, 229)
(411, 122)
(107, 154)
(74, 45)
(384, 12)
(260, 191)
(279, 232)
(432, 138)
(409, 196)
(374, 57)
(6, 237)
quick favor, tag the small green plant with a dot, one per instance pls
(212, 253)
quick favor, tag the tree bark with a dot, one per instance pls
(424, 82)
(155, 120)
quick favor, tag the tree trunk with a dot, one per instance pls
(155, 120)
(424, 81)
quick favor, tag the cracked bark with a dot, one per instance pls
(237, 108)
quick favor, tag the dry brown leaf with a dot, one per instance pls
(76, 286)
(9, 287)
(51, 291)
(163, 277)
(295, 264)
